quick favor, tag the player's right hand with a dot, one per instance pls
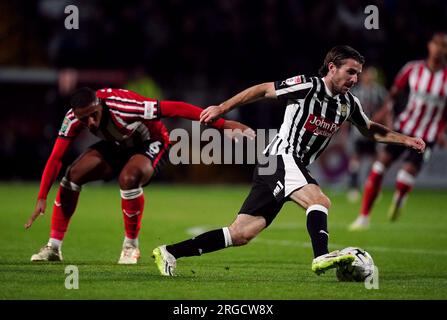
(39, 210)
(210, 114)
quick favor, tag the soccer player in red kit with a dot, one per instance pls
(424, 116)
(133, 144)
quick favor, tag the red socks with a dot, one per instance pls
(404, 184)
(132, 203)
(64, 206)
(372, 188)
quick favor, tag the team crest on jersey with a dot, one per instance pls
(294, 80)
(344, 110)
(64, 126)
(320, 126)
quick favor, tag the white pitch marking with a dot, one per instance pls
(195, 231)
(369, 248)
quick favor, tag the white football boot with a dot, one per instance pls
(129, 255)
(47, 253)
(165, 261)
(359, 224)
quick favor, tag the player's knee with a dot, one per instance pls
(322, 201)
(134, 178)
(129, 181)
(240, 236)
(74, 174)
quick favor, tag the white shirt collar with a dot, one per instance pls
(326, 88)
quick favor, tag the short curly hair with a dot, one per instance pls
(82, 98)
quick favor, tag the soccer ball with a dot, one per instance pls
(360, 269)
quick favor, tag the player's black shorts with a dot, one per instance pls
(411, 155)
(117, 156)
(364, 147)
(269, 192)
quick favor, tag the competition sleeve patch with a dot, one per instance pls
(151, 110)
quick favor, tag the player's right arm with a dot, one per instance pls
(292, 88)
(69, 130)
(252, 94)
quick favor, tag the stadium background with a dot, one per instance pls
(192, 51)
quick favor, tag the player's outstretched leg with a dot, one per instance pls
(239, 233)
(165, 256)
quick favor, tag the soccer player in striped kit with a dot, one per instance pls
(424, 116)
(316, 108)
(134, 143)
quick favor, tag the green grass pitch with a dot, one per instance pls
(411, 254)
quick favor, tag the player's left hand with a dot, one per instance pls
(39, 210)
(416, 143)
(238, 130)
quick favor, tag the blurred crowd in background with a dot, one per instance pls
(197, 51)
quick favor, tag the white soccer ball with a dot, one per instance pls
(360, 269)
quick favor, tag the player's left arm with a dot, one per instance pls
(382, 134)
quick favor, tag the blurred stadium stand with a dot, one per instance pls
(200, 52)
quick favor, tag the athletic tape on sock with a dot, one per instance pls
(378, 167)
(405, 177)
(131, 194)
(70, 185)
(227, 235)
(317, 207)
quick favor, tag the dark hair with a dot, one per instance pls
(82, 98)
(336, 55)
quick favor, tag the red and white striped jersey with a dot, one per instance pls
(425, 114)
(127, 119)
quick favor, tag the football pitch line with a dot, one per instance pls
(194, 231)
(372, 248)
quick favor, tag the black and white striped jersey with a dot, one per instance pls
(313, 115)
